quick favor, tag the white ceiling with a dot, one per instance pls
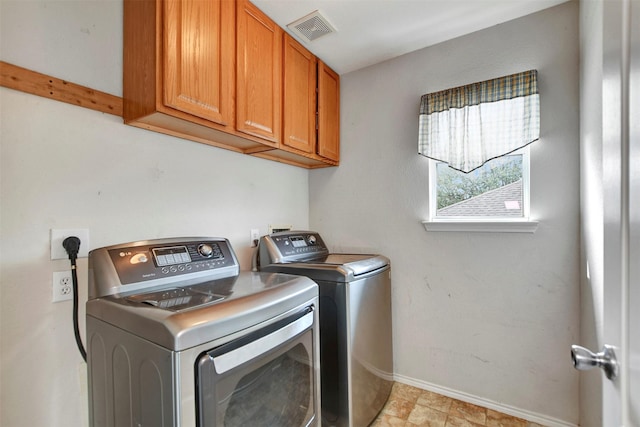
(372, 31)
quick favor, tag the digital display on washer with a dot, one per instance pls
(298, 241)
(172, 255)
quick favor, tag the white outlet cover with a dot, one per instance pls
(61, 291)
(255, 236)
(58, 236)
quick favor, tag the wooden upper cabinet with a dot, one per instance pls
(299, 107)
(259, 74)
(199, 55)
(212, 71)
(178, 64)
(328, 113)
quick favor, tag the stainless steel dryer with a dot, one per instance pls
(179, 337)
(356, 349)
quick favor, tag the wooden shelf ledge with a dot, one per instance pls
(22, 79)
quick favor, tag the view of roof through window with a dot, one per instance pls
(494, 190)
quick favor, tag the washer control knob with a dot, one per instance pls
(205, 250)
(312, 240)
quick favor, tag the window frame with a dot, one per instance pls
(522, 224)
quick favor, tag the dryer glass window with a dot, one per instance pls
(274, 388)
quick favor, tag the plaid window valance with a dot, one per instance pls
(472, 124)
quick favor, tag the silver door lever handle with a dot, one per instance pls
(584, 359)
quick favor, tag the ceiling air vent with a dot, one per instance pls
(311, 27)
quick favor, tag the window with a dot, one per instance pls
(492, 198)
(477, 137)
(497, 190)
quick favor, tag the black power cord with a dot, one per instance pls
(72, 246)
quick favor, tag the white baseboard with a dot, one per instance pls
(486, 403)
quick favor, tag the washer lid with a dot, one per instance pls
(357, 264)
(333, 267)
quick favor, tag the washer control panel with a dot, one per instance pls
(291, 245)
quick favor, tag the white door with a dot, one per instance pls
(633, 411)
(621, 184)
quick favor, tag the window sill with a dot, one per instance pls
(482, 226)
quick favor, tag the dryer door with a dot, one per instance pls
(266, 378)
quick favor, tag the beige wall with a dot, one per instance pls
(487, 317)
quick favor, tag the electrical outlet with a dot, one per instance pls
(58, 236)
(255, 236)
(62, 286)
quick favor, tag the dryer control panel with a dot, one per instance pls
(127, 267)
(139, 263)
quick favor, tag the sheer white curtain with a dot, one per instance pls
(470, 125)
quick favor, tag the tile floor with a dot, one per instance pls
(410, 406)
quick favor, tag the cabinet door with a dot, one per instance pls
(299, 110)
(328, 113)
(199, 53)
(259, 74)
